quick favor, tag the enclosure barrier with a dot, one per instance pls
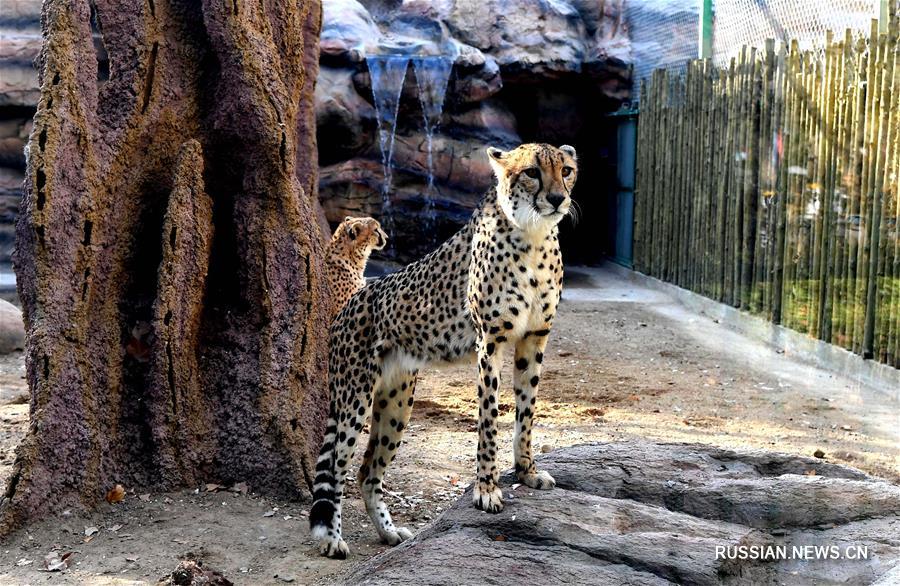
(771, 185)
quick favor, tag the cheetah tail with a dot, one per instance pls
(321, 516)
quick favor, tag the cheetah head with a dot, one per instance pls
(358, 234)
(534, 183)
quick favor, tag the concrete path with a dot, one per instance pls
(872, 397)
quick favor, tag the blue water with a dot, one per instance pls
(432, 76)
(388, 73)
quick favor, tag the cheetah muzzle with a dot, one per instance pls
(495, 284)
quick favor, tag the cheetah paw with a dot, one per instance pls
(397, 536)
(539, 480)
(334, 547)
(489, 499)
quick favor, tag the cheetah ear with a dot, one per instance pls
(348, 218)
(496, 158)
(351, 232)
(569, 150)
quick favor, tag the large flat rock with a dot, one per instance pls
(648, 513)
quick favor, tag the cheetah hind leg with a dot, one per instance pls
(349, 411)
(390, 415)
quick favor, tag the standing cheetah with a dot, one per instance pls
(346, 257)
(496, 283)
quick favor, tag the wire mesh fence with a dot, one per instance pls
(739, 23)
(772, 185)
(665, 33)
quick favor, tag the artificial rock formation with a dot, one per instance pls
(169, 253)
(638, 512)
(523, 71)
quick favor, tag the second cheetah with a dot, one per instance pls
(348, 252)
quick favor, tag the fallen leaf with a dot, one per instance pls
(88, 531)
(819, 454)
(269, 514)
(24, 562)
(145, 497)
(810, 472)
(212, 487)
(454, 480)
(116, 494)
(240, 487)
(115, 528)
(500, 538)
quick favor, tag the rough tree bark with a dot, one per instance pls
(169, 253)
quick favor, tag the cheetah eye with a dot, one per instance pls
(533, 172)
(566, 171)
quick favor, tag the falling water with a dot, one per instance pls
(387, 69)
(432, 75)
(388, 73)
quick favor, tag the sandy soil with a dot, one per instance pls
(622, 362)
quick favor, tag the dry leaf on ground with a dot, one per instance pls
(116, 494)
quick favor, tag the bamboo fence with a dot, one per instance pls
(771, 185)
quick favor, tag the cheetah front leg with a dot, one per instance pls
(487, 494)
(390, 416)
(528, 365)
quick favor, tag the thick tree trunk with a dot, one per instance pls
(169, 253)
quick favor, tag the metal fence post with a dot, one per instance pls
(705, 41)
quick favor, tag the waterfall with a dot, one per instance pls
(388, 73)
(387, 70)
(432, 75)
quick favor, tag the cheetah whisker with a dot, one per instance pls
(575, 212)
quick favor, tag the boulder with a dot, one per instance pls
(20, 43)
(531, 39)
(18, 77)
(461, 176)
(638, 512)
(489, 120)
(355, 188)
(12, 328)
(477, 77)
(345, 122)
(347, 27)
(11, 181)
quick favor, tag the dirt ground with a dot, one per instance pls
(622, 362)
